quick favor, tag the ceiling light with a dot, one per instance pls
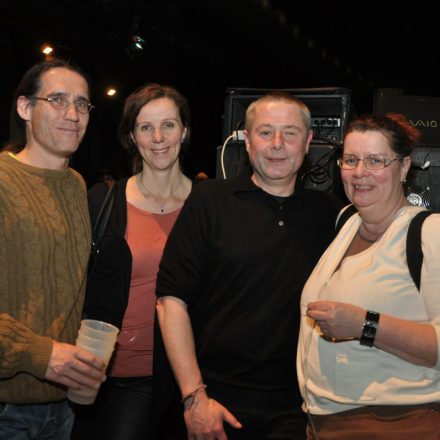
(47, 50)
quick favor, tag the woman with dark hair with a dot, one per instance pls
(155, 130)
(368, 355)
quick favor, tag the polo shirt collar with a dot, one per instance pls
(243, 183)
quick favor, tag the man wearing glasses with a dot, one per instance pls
(44, 249)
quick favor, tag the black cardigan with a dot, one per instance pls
(109, 284)
(107, 298)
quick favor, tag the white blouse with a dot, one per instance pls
(338, 376)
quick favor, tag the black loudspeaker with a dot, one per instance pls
(423, 180)
(331, 108)
(232, 159)
(319, 170)
(422, 111)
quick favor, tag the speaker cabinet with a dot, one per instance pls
(319, 170)
(422, 111)
(232, 159)
(423, 180)
(331, 108)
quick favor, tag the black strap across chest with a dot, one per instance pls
(414, 252)
(101, 225)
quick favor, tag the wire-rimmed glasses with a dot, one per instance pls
(61, 102)
(372, 162)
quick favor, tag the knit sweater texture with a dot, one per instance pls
(44, 250)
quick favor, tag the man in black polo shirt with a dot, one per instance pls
(231, 278)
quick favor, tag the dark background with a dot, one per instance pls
(202, 47)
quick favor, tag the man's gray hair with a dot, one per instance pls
(278, 95)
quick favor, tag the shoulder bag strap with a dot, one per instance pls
(103, 217)
(414, 252)
(344, 216)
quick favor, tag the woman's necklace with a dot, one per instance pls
(145, 191)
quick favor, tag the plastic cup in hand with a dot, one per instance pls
(98, 338)
(104, 352)
(98, 329)
(93, 342)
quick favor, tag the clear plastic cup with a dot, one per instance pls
(83, 396)
(98, 329)
(83, 340)
(86, 396)
(98, 338)
(104, 353)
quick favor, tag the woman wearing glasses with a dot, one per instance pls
(368, 356)
(155, 131)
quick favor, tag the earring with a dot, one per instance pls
(403, 181)
(132, 138)
(182, 139)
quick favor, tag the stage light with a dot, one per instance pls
(137, 42)
(135, 46)
(111, 91)
(47, 50)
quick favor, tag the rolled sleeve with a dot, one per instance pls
(182, 266)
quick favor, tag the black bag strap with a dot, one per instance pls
(103, 217)
(414, 252)
(347, 213)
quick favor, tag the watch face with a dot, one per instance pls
(369, 328)
(369, 331)
(372, 316)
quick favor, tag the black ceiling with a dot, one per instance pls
(205, 46)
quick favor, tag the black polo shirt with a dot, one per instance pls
(239, 258)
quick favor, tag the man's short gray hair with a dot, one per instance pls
(281, 96)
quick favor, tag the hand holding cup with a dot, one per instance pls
(98, 338)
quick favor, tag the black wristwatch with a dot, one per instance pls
(369, 328)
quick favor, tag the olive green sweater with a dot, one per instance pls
(44, 249)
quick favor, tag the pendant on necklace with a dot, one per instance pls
(162, 208)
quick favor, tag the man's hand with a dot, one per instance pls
(74, 367)
(204, 420)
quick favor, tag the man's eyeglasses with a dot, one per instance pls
(370, 162)
(60, 103)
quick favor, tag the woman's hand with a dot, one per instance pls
(337, 320)
(412, 341)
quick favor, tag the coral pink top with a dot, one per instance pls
(146, 235)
